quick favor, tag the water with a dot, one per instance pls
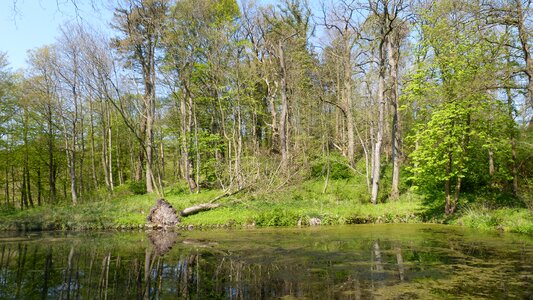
(349, 262)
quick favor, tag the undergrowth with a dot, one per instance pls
(342, 201)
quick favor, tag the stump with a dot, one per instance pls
(163, 214)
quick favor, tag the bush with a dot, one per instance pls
(277, 217)
(138, 187)
(338, 168)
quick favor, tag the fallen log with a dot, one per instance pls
(198, 208)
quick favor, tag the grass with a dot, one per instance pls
(518, 220)
(344, 202)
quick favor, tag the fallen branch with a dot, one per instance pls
(227, 194)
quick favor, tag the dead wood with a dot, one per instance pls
(198, 208)
(163, 214)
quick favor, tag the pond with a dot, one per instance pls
(348, 262)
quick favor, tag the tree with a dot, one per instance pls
(140, 22)
(43, 87)
(454, 104)
(384, 16)
(514, 14)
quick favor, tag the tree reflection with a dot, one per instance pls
(159, 265)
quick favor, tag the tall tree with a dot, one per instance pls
(455, 105)
(383, 16)
(140, 22)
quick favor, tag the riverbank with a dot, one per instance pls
(343, 203)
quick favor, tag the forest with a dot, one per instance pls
(292, 102)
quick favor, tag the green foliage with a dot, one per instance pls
(338, 167)
(458, 122)
(138, 187)
(226, 10)
(177, 189)
(278, 217)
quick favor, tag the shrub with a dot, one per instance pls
(277, 217)
(338, 168)
(138, 187)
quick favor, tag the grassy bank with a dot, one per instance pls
(344, 202)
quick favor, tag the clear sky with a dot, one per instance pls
(28, 24)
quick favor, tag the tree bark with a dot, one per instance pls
(284, 115)
(93, 155)
(150, 113)
(394, 53)
(376, 166)
(185, 129)
(198, 208)
(51, 160)
(347, 95)
(110, 149)
(27, 186)
(274, 138)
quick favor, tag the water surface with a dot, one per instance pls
(348, 262)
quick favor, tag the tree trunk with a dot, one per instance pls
(23, 197)
(39, 186)
(150, 111)
(274, 138)
(284, 116)
(51, 160)
(93, 156)
(26, 174)
(347, 101)
(110, 149)
(512, 138)
(149, 100)
(186, 162)
(13, 184)
(491, 163)
(71, 161)
(448, 187)
(81, 185)
(141, 155)
(7, 185)
(524, 42)
(376, 166)
(196, 145)
(394, 53)
(105, 149)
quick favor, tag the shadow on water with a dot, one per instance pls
(351, 262)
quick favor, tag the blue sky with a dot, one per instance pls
(29, 24)
(35, 23)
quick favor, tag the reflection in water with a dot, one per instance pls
(399, 261)
(162, 240)
(342, 263)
